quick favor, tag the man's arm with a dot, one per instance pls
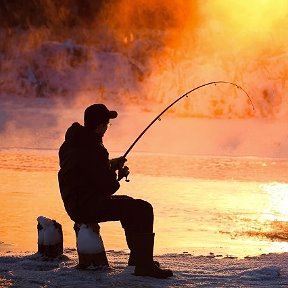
(117, 163)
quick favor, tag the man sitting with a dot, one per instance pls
(88, 180)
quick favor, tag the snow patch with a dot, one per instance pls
(27, 270)
(264, 273)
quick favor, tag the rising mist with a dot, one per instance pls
(56, 56)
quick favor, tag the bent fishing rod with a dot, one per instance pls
(158, 117)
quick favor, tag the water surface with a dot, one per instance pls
(227, 206)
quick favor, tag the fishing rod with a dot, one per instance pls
(184, 95)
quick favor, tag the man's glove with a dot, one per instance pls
(117, 163)
(123, 172)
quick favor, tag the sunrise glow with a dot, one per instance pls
(213, 166)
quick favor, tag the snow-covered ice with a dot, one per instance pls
(30, 270)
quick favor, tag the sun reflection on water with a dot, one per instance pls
(277, 204)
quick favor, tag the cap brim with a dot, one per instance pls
(113, 114)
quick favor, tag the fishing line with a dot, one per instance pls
(158, 117)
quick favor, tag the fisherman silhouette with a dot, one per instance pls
(88, 180)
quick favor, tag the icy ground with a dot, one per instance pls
(30, 270)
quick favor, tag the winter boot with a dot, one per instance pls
(130, 242)
(143, 251)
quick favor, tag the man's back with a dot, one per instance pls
(85, 177)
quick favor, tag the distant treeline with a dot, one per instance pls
(38, 13)
(152, 14)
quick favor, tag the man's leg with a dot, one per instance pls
(136, 217)
(134, 214)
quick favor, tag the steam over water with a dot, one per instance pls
(58, 58)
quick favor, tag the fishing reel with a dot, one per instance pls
(123, 173)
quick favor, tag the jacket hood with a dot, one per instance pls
(77, 133)
(74, 132)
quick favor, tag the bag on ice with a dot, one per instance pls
(90, 247)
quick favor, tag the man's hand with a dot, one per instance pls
(117, 163)
(123, 172)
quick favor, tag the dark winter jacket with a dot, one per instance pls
(85, 177)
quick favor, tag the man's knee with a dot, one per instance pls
(144, 206)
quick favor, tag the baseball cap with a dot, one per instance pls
(97, 114)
